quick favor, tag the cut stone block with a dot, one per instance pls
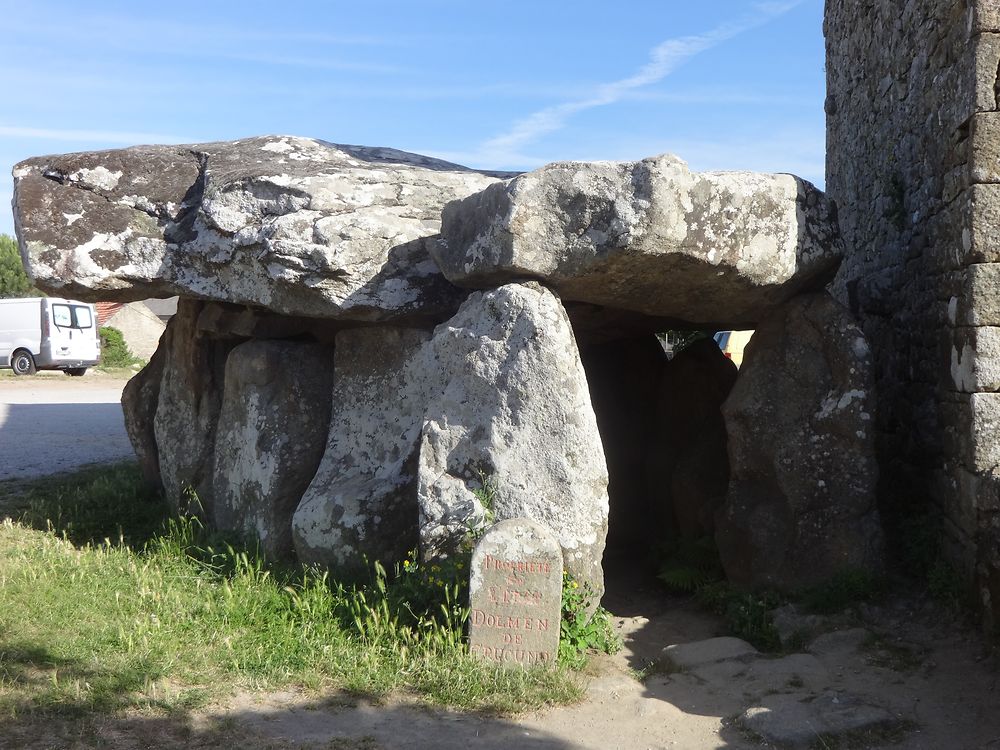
(515, 594)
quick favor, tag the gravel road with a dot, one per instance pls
(52, 423)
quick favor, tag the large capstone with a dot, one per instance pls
(648, 236)
(295, 225)
(362, 503)
(271, 433)
(801, 503)
(510, 431)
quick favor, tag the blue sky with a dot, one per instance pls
(727, 84)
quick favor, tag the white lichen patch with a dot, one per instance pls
(98, 177)
(860, 348)
(834, 402)
(963, 368)
(278, 147)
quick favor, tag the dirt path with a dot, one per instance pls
(934, 679)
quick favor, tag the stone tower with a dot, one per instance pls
(913, 163)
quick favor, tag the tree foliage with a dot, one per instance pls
(14, 282)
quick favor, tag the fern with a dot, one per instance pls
(690, 564)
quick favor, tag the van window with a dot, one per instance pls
(62, 316)
(72, 316)
(82, 317)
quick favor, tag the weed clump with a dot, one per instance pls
(579, 633)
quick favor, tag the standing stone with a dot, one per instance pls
(515, 594)
(801, 502)
(510, 405)
(363, 499)
(188, 406)
(139, 402)
(271, 434)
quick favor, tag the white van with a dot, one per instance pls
(45, 333)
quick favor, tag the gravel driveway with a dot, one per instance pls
(52, 423)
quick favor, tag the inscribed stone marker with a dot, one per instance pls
(515, 594)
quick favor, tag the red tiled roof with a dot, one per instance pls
(106, 309)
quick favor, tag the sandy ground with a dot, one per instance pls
(51, 423)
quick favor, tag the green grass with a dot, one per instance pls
(108, 605)
(118, 371)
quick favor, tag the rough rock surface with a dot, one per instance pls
(188, 406)
(801, 500)
(272, 430)
(802, 720)
(139, 402)
(913, 146)
(647, 236)
(511, 407)
(700, 653)
(295, 225)
(362, 501)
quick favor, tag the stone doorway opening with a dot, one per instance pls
(665, 444)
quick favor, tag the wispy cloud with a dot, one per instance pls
(92, 136)
(664, 59)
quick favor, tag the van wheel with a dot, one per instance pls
(75, 371)
(22, 363)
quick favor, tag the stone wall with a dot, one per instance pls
(912, 163)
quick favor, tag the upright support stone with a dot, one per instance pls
(362, 502)
(511, 405)
(515, 594)
(271, 434)
(801, 502)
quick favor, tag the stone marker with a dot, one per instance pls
(515, 594)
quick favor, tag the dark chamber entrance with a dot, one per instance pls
(665, 445)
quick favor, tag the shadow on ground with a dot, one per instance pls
(42, 439)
